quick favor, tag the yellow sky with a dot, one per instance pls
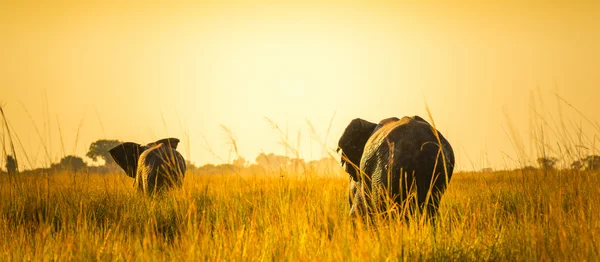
(137, 72)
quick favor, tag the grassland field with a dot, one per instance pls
(531, 216)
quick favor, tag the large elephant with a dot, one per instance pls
(154, 167)
(391, 161)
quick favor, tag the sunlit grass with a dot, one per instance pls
(499, 216)
(301, 213)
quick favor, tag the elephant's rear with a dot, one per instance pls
(406, 160)
(433, 171)
(170, 171)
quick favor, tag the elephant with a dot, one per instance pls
(154, 167)
(392, 163)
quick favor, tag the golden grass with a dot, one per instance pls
(499, 216)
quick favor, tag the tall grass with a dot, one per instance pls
(507, 215)
(500, 216)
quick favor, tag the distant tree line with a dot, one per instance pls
(265, 163)
(97, 151)
(270, 164)
(588, 163)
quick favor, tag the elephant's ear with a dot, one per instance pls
(352, 143)
(126, 155)
(170, 142)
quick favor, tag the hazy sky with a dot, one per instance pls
(139, 72)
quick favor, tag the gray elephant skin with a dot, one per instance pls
(154, 167)
(392, 163)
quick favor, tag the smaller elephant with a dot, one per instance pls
(154, 167)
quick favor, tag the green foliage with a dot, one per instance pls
(546, 162)
(11, 165)
(70, 163)
(99, 149)
(590, 163)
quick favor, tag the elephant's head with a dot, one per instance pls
(127, 154)
(352, 144)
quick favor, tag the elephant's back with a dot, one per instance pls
(409, 136)
(160, 152)
(402, 133)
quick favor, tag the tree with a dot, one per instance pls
(272, 161)
(588, 163)
(190, 165)
(11, 165)
(239, 162)
(70, 163)
(547, 162)
(576, 165)
(99, 149)
(592, 162)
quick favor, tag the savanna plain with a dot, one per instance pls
(524, 214)
(197, 66)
